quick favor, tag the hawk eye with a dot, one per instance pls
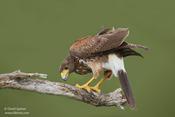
(66, 68)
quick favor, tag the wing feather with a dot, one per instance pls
(94, 44)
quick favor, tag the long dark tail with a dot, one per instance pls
(126, 88)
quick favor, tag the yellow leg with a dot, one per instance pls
(107, 75)
(96, 88)
(86, 85)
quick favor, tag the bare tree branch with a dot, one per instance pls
(28, 81)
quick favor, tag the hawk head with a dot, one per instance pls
(66, 67)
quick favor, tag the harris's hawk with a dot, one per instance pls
(101, 52)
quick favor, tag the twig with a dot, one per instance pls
(28, 81)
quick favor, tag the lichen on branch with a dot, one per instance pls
(30, 82)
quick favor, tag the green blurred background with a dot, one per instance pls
(35, 36)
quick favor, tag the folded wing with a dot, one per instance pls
(103, 41)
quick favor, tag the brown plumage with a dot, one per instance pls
(107, 40)
(102, 52)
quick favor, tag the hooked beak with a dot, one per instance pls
(64, 74)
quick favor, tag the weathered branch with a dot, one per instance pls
(28, 81)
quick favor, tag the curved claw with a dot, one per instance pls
(85, 87)
(96, 89)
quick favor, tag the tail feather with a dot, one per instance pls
(124, 52)
(126, 88)
(131, 45)
(126, 49)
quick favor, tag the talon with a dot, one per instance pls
(85, 87)
(77, 85)
(96, 89)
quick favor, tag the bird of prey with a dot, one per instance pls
(103, 52)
